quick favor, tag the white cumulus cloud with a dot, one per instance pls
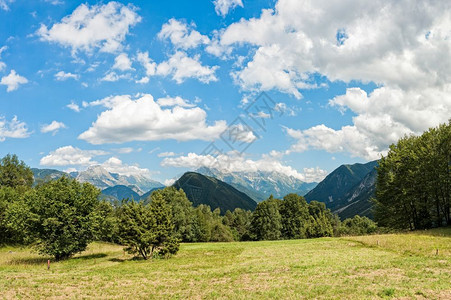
(52, 127)
(402, 46)
(12, 81)
(142, 119)
(182, 35)
(13, 129)
(222, 7)
(69, 155)
(74, 106)
(174, 101)
(115, 165)
(90, 27)
(122, 62)
(62, 76)
(181, 67)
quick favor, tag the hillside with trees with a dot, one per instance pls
(413, 188)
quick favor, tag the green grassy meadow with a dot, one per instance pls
(379, 266)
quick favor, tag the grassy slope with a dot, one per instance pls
(356, 267)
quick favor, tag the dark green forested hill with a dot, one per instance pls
(345, 186)
(357, 200)
(121, 192)
(207, 190)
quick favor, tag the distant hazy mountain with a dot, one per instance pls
(101, 178)
(347, 189)
(146, 195)
(44, 175)
(121, 192)
(260, 185)
(208, 190)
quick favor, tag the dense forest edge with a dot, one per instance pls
(59, 218)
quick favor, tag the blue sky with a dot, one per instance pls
(144, 87)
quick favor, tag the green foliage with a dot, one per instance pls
(14, 173)
(294, 212)
(202, 219)
(63, 217)
(239, 222)
(319, 223)
(413, 189)
(14, 215)
(221, 233)
(266, 221)
(182, 211)
(147, 229)
(358, 226)
(106, 225)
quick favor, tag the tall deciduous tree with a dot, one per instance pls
(266, 221)
(294, 211)
(63, 214)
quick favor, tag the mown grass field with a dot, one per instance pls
(379, 266)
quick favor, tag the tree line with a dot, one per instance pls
(413, 189)
(61, 217)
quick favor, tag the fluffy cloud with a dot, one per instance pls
(89, 27)
(393, 43)
(112, 77)
(181, 67)
(181, 35)
(233, 162)
(62, 76)
(2, 66)
(239, 132)
(13, 129)
(70, 155)
(147, 63)
(122, 62)
(52, 127)
(12, 81)
(74, 106)
(115, 165)
(222, 7)
(347, 139)
(382, 118)
(399, 45)
(143, 119)
(176, 101)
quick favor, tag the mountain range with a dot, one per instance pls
(260, 185)
(347, 190)
(113, 183)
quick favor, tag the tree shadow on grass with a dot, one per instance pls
(29, 261)
(120, 260)
(90, 256)
(43, 260)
